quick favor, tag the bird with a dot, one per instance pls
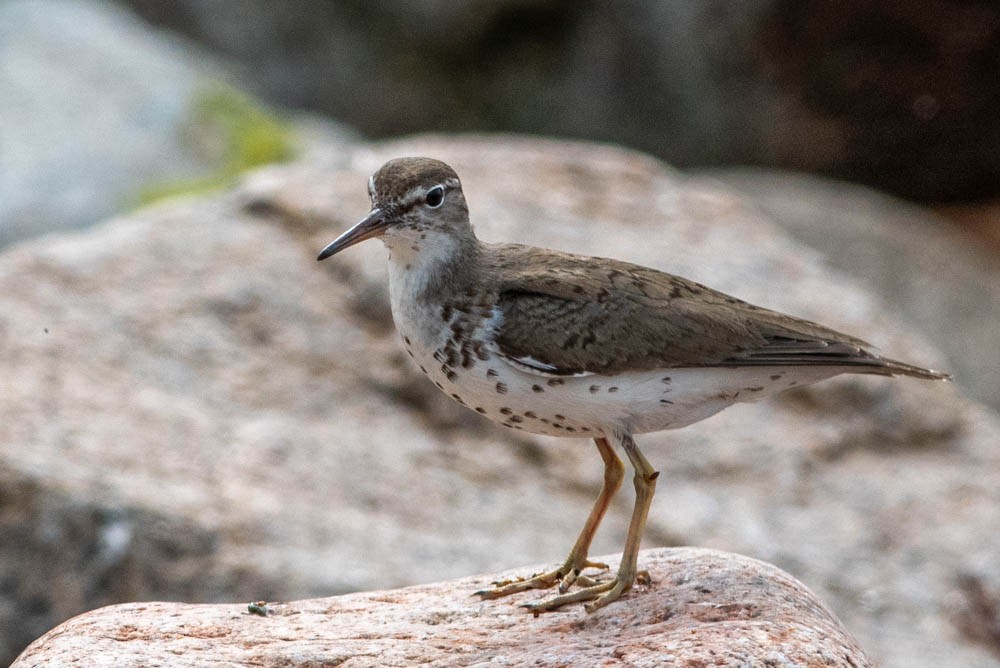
(567, 345)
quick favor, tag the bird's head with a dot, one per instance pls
(413, 201)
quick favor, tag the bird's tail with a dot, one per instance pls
(889, 367)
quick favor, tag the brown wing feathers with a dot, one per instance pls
(574, 317)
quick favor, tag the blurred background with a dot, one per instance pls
(829, 114)
(900, 96)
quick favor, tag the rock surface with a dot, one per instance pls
(96, 107)
(192, 409)
(702, 608)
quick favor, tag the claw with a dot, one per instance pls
(604, 592)
(565, 576)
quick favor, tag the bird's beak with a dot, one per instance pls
(370, 226)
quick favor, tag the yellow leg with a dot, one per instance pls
(577, 561)
(605, 592)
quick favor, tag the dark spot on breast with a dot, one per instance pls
(406, 340)
(415, 248)
(440, 356)
(584, 428)
(480, 409)
(543, 420)
(505, 411)
(457, 398)
(530, 414)
(560, 417)
(775, 376)
(501, 388)
(492, 373)
(753, 389)
(666, 379)
(571, 429)
(613, 388)
(449, 374)
(408, 267)
(422, 369)
(594, 389)
(439, 385)
(516, 418)
(552, 382)
(537, 388)
(666, 401)
(557, 425)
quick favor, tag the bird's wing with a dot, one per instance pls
(569, 315)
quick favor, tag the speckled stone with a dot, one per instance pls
(702, 608)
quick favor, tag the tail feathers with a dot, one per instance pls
(849, 354)
(888, 367)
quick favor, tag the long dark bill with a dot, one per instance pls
(370, 226)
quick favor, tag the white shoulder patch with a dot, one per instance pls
(533, 366)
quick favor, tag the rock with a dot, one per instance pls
(893, 95)
(701, 608)
(191, 408)
(944, 284)
(98, 108)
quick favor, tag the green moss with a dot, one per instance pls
(237, 133)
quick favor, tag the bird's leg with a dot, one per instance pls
(601, 594)
(577, 560)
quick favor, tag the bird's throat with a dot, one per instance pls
(433, 271)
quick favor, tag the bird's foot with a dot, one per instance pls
(599, 594)
(570, 573)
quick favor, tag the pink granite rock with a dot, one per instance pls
(702, 608)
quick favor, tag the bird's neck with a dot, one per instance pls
(433, 271)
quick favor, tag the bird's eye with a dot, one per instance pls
(434, 197)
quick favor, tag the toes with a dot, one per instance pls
(508, 587)
(568, 580)
(610, 596)
(578, 596)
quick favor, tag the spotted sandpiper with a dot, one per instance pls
(568, 345)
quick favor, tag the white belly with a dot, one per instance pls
(594, 405)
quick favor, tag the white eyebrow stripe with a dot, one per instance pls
(417, 193)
